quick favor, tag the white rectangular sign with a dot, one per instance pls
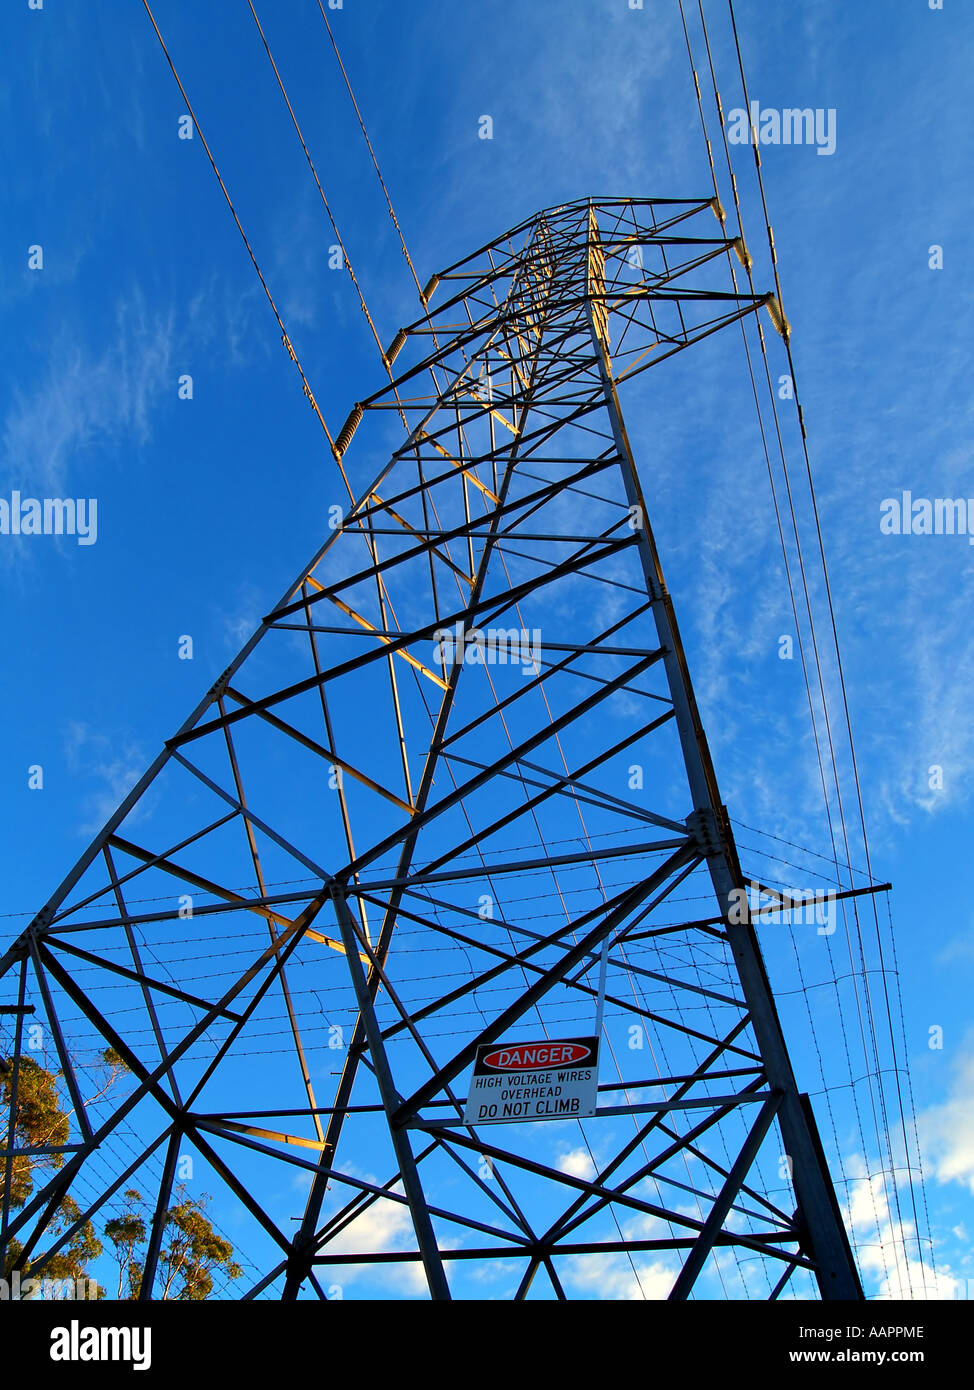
(556, 1079)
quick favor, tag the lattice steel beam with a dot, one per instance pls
(406, 811)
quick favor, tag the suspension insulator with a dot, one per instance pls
(395, 347)
(743, 254)
(431, 285)
(718, 208)
(347, 430)
(777, 315)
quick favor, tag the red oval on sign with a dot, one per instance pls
(535, 1056)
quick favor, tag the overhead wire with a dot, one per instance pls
(314, 174)
(774, 496)
(260, 275)
(838, 655)
(372, 154)
(746, 261)
(877, 1071)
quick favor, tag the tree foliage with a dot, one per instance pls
(126, 1233)
(42, 1122)
(190, 1253)
(39, 1123)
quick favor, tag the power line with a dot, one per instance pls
(838, 654)
(375, 162)
(781, 322)
(285, 339)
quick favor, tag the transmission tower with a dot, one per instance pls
(452, 798)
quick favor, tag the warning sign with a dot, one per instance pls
(550, 1080)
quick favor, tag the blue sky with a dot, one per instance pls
(207, 507)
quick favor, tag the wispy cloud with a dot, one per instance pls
(111, 765)
(88, 397)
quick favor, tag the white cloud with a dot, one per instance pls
(889, 1261)
(577, 1163)
(614, 1277)
(385, 1225)
(947, 1131)
(623, 1277)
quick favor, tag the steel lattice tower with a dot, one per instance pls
(454, 790)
